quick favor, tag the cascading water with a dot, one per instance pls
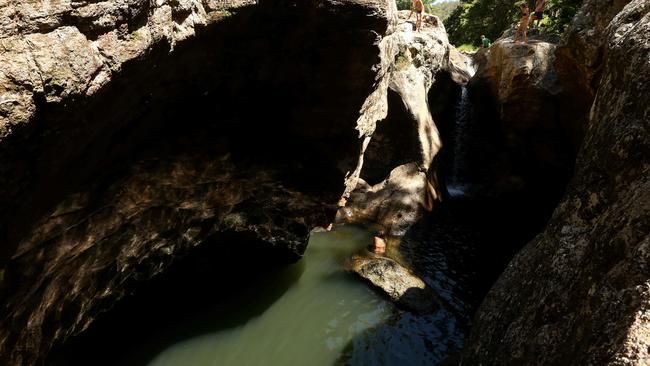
(458, 183)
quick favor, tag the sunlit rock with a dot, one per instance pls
(410, 63)
(402, 286)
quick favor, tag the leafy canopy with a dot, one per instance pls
(441, 9)
(473, 18)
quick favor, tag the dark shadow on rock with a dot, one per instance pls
(419, 300)
(395, 142)
(263, 75)
(278, 94)
(221, 284)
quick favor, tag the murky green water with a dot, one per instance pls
(310, 323)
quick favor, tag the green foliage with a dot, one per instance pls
(442, 10)
(404, 4)
(402, 62)
(558, 15)
(492, 17)
(465, 47)
(476, 17)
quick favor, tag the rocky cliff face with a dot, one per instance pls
(58, 61)
(396, 178)
(399, 155)
(527, 144)
(85, 86)
(579, 293)
(133, 132)
(579, 60)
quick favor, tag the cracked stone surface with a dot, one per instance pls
(579, 293)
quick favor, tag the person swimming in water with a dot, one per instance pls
(523, 24)
(418, 8)
(378, 245)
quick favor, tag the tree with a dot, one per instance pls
(492, 17)
(442, 10)
(404, 4)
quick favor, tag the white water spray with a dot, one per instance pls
(456, 186)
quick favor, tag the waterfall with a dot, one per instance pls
(457, 183)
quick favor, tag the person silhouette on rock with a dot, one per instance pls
(418, 8)
(523, 24)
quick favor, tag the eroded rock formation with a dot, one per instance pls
(400, 147)
(135, 131)
(579, 293)
(81, 95)
(404, 162)
(99, 244)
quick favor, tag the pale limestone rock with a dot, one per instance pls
(409, 63)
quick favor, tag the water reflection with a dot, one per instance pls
(310, 323)
(314, 313)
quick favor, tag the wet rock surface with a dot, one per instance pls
(400, 284)
(578, 293)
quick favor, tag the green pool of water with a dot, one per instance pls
(316, 311)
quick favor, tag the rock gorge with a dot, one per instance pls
(136, 133)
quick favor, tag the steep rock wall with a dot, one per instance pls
(579, 61)
(135, 132)
(518, 103)
(579, 293)
(401, 141)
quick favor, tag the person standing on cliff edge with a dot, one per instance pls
(418, 8)
(523, 24)
(538, 13)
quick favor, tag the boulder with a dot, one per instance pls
(579, 293)
(401, 285)
(394, 204)
(579, 60)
